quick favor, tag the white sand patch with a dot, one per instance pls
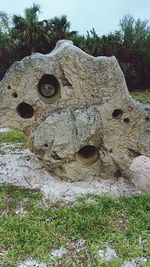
(5, 130)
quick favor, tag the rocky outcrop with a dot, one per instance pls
(77, 113)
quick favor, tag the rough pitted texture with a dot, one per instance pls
(77, 113)
(140, 173)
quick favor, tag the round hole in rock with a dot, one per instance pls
(25, 111)
(117, 113)
(49, 88)
(14, 94)
(9, 87)
(126, 120)
(87, 155)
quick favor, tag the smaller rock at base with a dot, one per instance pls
(140, 173)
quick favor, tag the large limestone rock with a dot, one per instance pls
(140, 173)
(77, 113)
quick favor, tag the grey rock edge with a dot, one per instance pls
(84, 103)
(140, 173)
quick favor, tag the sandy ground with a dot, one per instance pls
(18, 166)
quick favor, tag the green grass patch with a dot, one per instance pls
(14, 136)
(123, 223)
(143, 97)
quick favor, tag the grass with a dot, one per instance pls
(143, 97)
(13, 136)
(122, 222)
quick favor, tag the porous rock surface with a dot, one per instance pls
(140, 173)
(77, 113)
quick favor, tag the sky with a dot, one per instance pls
(102, 15)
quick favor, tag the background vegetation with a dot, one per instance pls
(22, 35)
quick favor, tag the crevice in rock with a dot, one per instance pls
(134, 153)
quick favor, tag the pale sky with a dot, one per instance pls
(103, 15)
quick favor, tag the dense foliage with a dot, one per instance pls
(23, 35)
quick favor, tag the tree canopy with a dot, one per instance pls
(23, 35)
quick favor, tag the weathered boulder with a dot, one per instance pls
(140, 173)
(77, 113)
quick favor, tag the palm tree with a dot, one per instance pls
(28, 30)
(58, 27)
